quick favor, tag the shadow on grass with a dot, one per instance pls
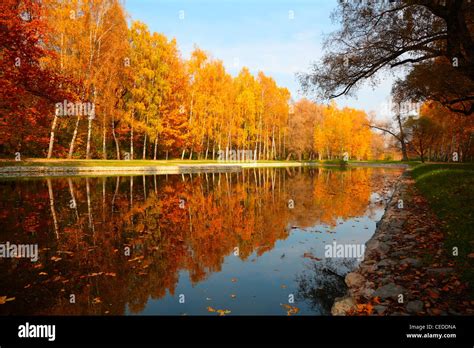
(449, 189)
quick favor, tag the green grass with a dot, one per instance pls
(449, 189)
(338, 161)
(410, 163)
(99, 163)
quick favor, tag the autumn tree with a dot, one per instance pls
(28, 87)
(438, 133)
(432, 38)
(304, 129)
(173, 101)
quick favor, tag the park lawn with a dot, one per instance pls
(410, 163)
(338, 161)
(99, 163)
(449, 189)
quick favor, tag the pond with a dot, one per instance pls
(254, 242)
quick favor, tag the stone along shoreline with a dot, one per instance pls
(405, 270)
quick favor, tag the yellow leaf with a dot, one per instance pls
(4, 299)
(290, 310)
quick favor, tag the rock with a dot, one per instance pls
(354, 280)
(385, 280)
(397, 224)
(411, 262)
(375, 245)
(379, 309)
(385, 263)
(342, 305)
(439, 271)
(415, 306)
(390, 290)
(368, 293)
(367, 269)
(384, 237)
(453, 312)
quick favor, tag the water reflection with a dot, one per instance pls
(132, 245)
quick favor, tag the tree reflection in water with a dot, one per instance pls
(322, 282)
(170, 224)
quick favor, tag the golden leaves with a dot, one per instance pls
(5, 299)
(136, 259)
(290, 310)
(365, 308)
(221, 312)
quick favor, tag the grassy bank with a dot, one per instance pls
(449, 189)
(100, 163)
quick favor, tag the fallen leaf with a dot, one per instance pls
(432, 294)
(4, 299)
(311, 256)
(290, 310)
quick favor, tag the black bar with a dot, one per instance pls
(135, 330)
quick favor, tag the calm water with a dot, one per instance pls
(247, 242)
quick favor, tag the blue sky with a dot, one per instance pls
(278, 37)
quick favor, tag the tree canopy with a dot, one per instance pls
(432, 39)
